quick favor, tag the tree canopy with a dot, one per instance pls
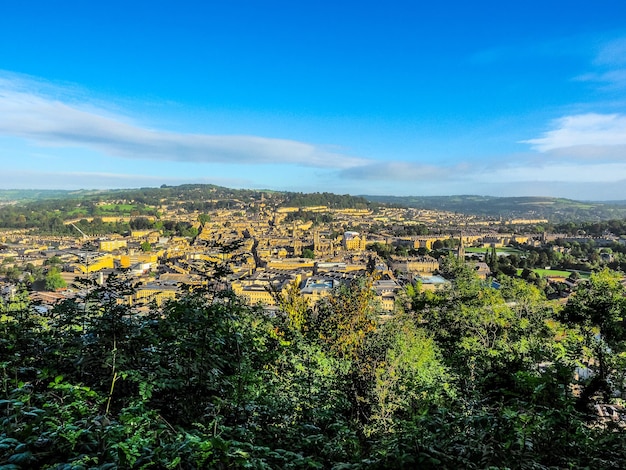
(465, 377)
(53, 280)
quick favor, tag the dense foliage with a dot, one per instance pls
(467, 377)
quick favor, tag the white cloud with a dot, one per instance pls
(577, 150)
(585, 136)
(53, 122)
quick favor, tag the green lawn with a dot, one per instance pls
(475, 250)
(554, 272)
(117, 208)
(506, 250)
(551, 272)
(78, 212)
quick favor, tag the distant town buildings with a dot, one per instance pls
(260, 249)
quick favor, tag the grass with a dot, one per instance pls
(118, 208)
(505, 250)
(551, 272)
(78, 212)
(554, 272)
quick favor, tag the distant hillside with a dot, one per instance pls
(204, 197)
(553, 209)
(23, 195)
(198, 193)
(141, 195)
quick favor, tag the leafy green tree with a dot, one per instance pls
(54, 281)
(383, 250)
(54, 260)
(295, 307)
(225, 344)
(347, 323)
(598, 308)
(13, 273)
(574, 276)
(484, 334)
(345, 319)
(409, 380)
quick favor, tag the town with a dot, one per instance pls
(258, 247)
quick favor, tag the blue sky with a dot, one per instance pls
(397, 97)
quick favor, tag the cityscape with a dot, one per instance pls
(264, 245)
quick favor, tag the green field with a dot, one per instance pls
(118, 208)
(554, 272)
(551, 272)
(78, 212)
(505, 250)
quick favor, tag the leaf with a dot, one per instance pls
(21, 458)
(107, 466)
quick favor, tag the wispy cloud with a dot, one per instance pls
(101, 180)
(610, 79)
(562, 171)
(589, 191)
(612, 53)
(585, 136)
(404, 171)
(610, 65)
(567, 46)
(36, 117)
(607, 61)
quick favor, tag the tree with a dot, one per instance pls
(204, 218)
(13, 274)
(54, 280)
(54, 260)
(371, 265)
(295, 307)
(346, 322)
(409, 379)
(574, 276)
(484, 336)
(493, 259)
(146, 246)
(598, 308)
(308, 253)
